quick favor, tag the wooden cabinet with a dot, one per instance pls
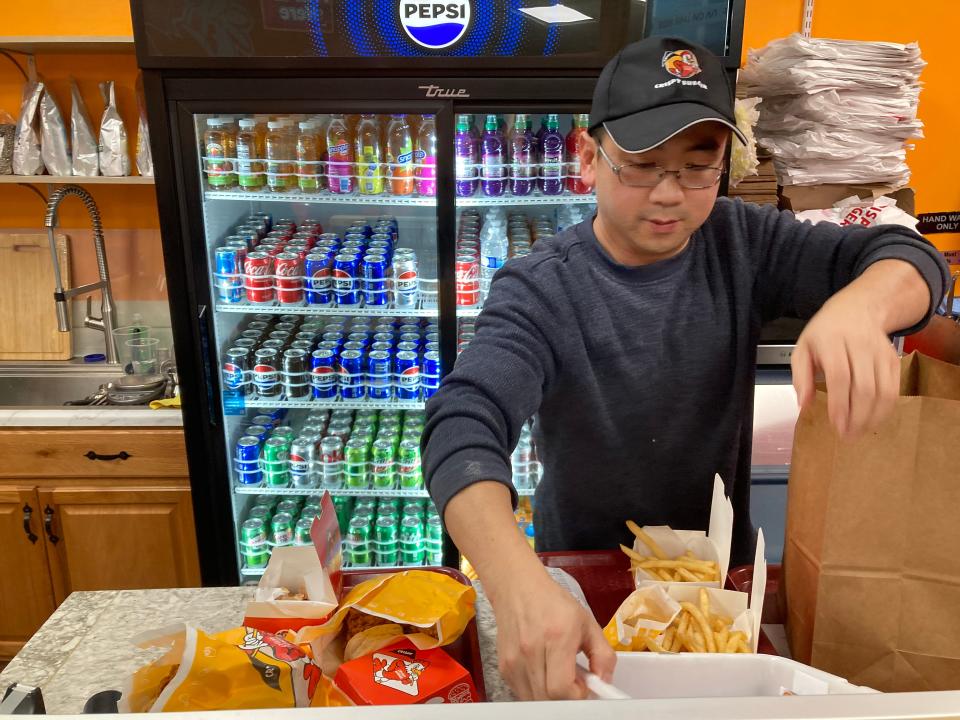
(110, 510)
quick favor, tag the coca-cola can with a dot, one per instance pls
(468, 280)
(289, 274)
(258, 277)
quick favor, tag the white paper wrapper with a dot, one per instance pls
(855, 211)
(648, 611)
(296, 568)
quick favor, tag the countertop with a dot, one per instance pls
(84, 647)
(89, 417)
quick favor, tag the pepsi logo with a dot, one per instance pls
(434, 25)
(410, 376)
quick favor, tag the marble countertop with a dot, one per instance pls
(89, 417)
(84, 647)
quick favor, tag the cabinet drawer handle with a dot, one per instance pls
(122, 455)
(27, 515)
(48, 525)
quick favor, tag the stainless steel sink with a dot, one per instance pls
(51, 383)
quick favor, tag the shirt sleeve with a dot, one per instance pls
(799, 265)
(474, 419)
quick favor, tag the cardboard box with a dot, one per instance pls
(401, 674)
(816, 197)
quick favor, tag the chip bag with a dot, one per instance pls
(429, 608)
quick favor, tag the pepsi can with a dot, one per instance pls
(236, 368)
(266, 372)
(386, 337)
(353, 345)
(247, 461)
(408, 347)
(268, 421)
(258, 431)
(359, 337)
(381, 346)
(375, 280)
(352, 386)
(407, 371)
(316, 267)
(379, 379)
(410, 337)
(323, 376)
(229, 274)
(430, 374)
(431, 347)
(345, 280)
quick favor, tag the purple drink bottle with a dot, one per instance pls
(493, 163)
(551, 158)
(466, 158)
(523, 157)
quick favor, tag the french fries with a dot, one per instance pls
(696, 628)
(686, 568)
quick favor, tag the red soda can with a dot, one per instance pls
(289, 274)
(299, 249)
(468, 247)
(270, 248)
(258, 277)
(468, 280)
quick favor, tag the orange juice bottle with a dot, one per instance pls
(400, 156)
(278, 156)
(249, 159)
(308, 176)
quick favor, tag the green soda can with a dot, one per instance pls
(276, 471)
(391, 436)
(281, 530)
(367, 416)
(412, 508)
(358, 542)
(408, 465)
(365, 423)
(260, 512)
(412, 434)
(434, 529)
(355, 464)
(388, 504)
(382, 467)
(310, 510)
(253, 535)
(365, 434)
(417, 416)
(284, 431)
(343, 505)
(268, 500)
(411, 541)
(289, 506)
(365, 503)
(391, 415)
(387, 535)
(301, 534)
(369, 515)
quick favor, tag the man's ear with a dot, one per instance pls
(589, 157)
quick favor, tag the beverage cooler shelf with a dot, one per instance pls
(320, 198)
(319, 491)
(350, 310)
(335, 403)
(469, 312)
(258, 571)
(513, 200)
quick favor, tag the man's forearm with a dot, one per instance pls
(895, 291)
(480, 520)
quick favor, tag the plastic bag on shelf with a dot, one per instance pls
(144, 158)
(114, 152)
(8, 131)
(83, 140)
(743, 158)
(26, 151)
(54, 141)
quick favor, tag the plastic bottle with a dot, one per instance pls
(340, 158)
(425, 157)
(216, 164)
(249, 161)
(230, 146)
(551, 158)
(369, 156)
(308, 177)
(493, 161)
(289, 127)
(575, 185)
(400, 155)
(466, 158)
(522, 156)
(494, 248)
(279, 166)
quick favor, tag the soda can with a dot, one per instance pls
(246, 343)
(413, 338)
(358, 542)
(360, 337)
(386, 347)
(258, 278)
(303, 456)
(375, 290)
(281, 530)
(236, 369)
(345, 280)
(351, 380)
(253, 543)
(430, 374)
(263, 419)
(407, 374)
(310, 510)
(382, 336)
(355, 464)
(301, 533)
(284, 431)
(323, 376)
(343, 506)
(229, 274)
(268, 501)
(247, 460)
(276, 453)
(305, 345)
(266, 372)
(431, 347)
(316, 268)
(296, 381)
(387, 541)
(288, 269)
(379, 377)
(406, 282)
(382, 465)
(467, 280)
(260, 432)
(409, 347)
(331, 462)
(411, 541)
(408, 465)
(290, 505)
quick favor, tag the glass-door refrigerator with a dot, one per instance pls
(337, 183)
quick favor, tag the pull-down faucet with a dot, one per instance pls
(105, 322)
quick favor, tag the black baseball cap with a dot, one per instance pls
(657, 87)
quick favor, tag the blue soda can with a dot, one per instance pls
(323, 373)
(351, 381)
(431, 347)
(359, 337)
(345, 280)
(277, 415)
(260, 432)
(247, 461)
(409, 327)
(229, 275)
(406, 369)
(319, 288)
(381, 347)
(333, 337)
(268, 420)
(379, 378)
(410, 337)
(353, 345)
(361, 227)
(354, 240)
(386, 337)
(431, 337)
(409, 347)
(430, 373)
(375, 280)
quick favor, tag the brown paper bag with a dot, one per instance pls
(872, 556)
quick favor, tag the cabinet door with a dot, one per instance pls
(26, 595)
(120, 538)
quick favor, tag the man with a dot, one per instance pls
(633, 337)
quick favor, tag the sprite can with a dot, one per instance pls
(433, 540)
(289, 506)
(253, 543)
(387, 536)
(269, 500)
(301, 534)
(276, 471)
(368, 514)
(310, 510)
(411, 541)
(260, 512)
(413, 509)
(358, 542)
(355, 462)
(382, 470)
(343, 505)
(281, 530)
(284, 431)
(388, 506)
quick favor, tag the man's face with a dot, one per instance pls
(641, 225)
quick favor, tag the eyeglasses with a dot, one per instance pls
(694, 177)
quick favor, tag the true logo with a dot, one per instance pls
(681, 63)
(434, 25)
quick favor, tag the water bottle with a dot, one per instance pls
(494, 248)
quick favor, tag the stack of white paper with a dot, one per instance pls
(836, 111)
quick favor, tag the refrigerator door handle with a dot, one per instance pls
(202, 319)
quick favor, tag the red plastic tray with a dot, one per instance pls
(604, 576)
(465, 650)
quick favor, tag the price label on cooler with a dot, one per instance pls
(233, 403)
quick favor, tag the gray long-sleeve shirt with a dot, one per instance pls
(642, 377)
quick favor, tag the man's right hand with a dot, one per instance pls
(540, 630)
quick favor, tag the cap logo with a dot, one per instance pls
(681, 63)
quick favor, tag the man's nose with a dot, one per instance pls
(668, 191)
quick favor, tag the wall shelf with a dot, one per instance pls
(93, 44)
(74, 180)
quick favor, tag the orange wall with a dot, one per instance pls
(931, 24)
